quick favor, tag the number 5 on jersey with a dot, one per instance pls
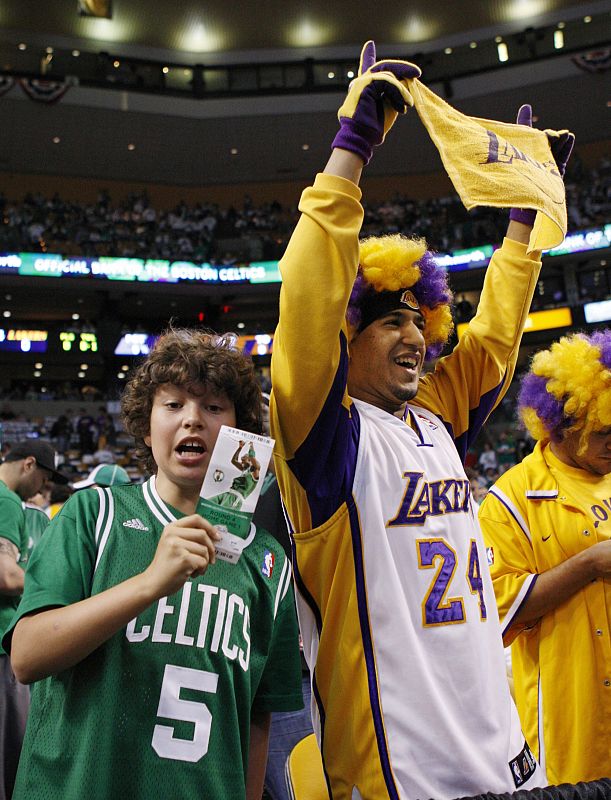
(172, 706)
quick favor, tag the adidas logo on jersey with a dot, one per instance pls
(135, 523)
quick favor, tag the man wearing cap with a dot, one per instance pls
(104, 475)
(396, 605)
(26, 468)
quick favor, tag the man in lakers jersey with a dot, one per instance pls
(547, 525)
(156, 665)
(395, 601)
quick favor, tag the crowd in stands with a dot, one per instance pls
(207, 232)
(84, 438)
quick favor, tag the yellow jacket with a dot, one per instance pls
(561, 665)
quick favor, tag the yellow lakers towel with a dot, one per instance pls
(497, 164)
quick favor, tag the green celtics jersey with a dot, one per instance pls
(163, 708)
(12, 527)
(36, 523)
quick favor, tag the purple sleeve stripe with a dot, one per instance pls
(477, 417)
(509, 622)
(325, 463)
(374, 696)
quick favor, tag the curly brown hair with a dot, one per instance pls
(182, 357)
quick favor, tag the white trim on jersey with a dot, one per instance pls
(155, 503)
(540, 726)
(109, 521)
(517, 603)
(549, 494)
(509, 505)
(283, 584)
(101, 514)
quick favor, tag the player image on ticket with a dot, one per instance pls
(232, 487)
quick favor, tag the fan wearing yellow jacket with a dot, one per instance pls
(547, 525)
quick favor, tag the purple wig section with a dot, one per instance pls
(432, 288)
(534, 394)
(602, 340)
(434, 350)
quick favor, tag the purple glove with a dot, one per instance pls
(561, 146)
(373, 101)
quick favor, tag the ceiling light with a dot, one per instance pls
(8, 296)
(330, 75)
(81, 374)
(198, 38)
(131, 146)
(49, 50)
(416, 29)
(350, 73)
(6, 314)
(587, 19)
(558, 40)
(84, 366)
(120, 374)
(22, 46)
(37, 373)
(240, 325)
(116, 64)
(498, 39)
(124, 367)
(76, 316)
(308, 34)
(561, 25)
(305, 146)
(502, 51)
(234, 151)
(76, 53)
(56, 140)
(38, 365)
(472, 45)
(165, 70)
(448, 51)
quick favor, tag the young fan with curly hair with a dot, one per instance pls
(396, 605)
(547, 523)
(156, 665)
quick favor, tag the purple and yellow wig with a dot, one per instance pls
(388, 265)
(568, 388)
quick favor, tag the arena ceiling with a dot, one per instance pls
(202, 142)
(198, 142)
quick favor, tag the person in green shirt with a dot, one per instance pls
(156, 666)
(27, 467)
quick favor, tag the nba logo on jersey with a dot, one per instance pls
(268, 564)
(490, 555)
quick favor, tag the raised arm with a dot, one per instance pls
(309, 365)
(466, 386)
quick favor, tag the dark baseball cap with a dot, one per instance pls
(43, 452)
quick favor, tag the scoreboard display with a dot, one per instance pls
(80, 342)
(71, 344)
(20, 340)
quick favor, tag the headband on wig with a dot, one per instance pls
(388, 265)
(568, 388)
